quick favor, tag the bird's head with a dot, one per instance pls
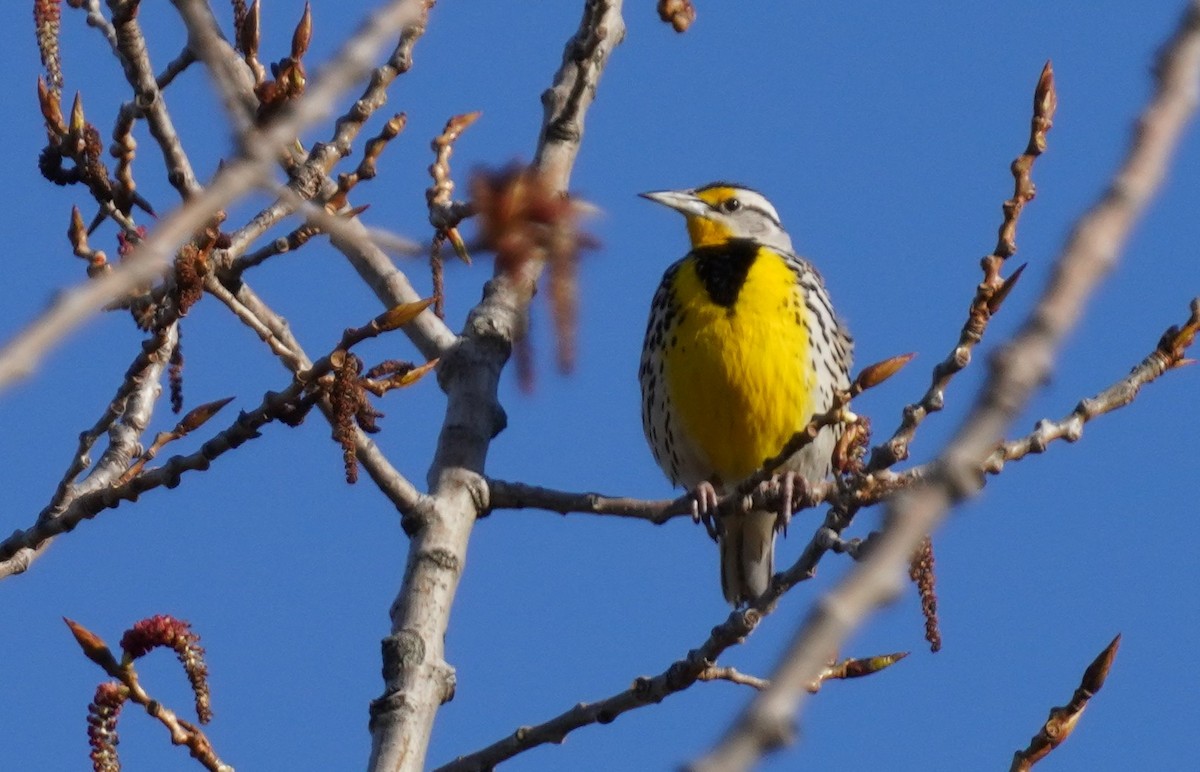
(721, 211)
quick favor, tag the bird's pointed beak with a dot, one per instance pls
(683, 201)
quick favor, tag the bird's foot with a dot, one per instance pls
(704, 507)
(785, 484)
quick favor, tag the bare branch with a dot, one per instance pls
(732, 675)
(232, 77)
(401, 719)
(568, 100)
(403, 495)
(125, 420)
(95, 18)
(1062, 720)
(96, 499)
(427, 332)
(289, 405)
(645, 691)
(697, 666)
(19, 355)
(1167, 356)
(514, 495)
(991, 291)
(148, 98)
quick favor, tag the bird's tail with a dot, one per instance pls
(747, 555)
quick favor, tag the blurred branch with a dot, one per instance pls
(19, 355)
(414, 687)
(1062, 720)
(234, 82)
(361, 246)
(1017, 369)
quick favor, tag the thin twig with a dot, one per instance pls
(1167, 356)
(1062, 720)
(733, 675)
(990, 293)
(503, 494)
(96, 19)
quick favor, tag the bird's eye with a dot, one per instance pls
(731, 205)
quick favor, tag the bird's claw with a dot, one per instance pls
(704, 506)
(785, 483)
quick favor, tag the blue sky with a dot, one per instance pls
(883, 136)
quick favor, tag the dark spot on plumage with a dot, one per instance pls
(722, 269)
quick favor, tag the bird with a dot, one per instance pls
(742, 349)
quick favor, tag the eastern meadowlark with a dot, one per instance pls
(741, 350)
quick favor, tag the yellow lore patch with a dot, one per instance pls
(706, 232)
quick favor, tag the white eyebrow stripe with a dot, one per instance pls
(749, 198)
(757, 201)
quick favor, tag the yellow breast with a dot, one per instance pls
(738, 376)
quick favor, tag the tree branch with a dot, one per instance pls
(125, 421)
(1062, 720)
(645, 691)
(19, 355)
(1016, 371)
(417, 678)
(149, 100)
(514, 495)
